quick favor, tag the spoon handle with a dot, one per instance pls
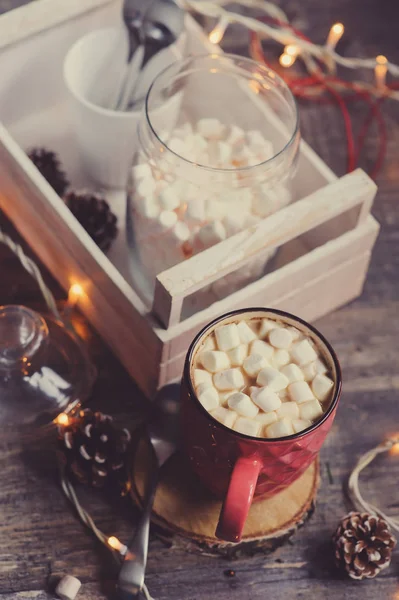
(132, 573)
(131, 76)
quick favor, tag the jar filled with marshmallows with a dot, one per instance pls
(218, 144)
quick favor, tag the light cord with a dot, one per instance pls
(31, 267)
(353, 483)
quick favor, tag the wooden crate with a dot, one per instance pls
(324, 240)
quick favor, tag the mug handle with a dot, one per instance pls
(238, 499)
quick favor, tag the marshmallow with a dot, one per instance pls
(167, 219)
(224, 396)
(169, 198)
(235, 136)
(322, 386)
(209, 343)
(227, 336)
(197, 146)
(300, 392)
(201, 376)
(233, 223)
(310, 410)
(266, 418)
(146, 187)
(280, 338)
(309, 371)
(281, 358)
(216, 210)
(68, 588)
(230, 379)
(208, 397)
(253, 364)
(212, 234)
(225, 416)
(210, 128)
(272, 378)
(178, 146)
(293, 373)
(195, 209)
(264, 204)
(219, 153)
(289, 410)
(247, 335)
(243, 405)
(214, 360)
(303, 353)
(267, 400)
(280, 429)
(247, 426)
(255, 138)
(142, 171)
(266, 326)
(262, 348)
(300, 424)
(320, 367)
(181, 232)
(296, 334)
(237, 355)
(148, 207)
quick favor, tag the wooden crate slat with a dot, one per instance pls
(273, 286)
(192, 275)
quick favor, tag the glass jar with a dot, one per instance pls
(218, 139)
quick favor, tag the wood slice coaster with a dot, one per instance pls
(186, 512)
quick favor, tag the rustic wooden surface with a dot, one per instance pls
(40, 538)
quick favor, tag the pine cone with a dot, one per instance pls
(49, 165)
(95, 215)
(363, 545)
(93, 450)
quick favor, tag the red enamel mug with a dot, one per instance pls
(239, 468)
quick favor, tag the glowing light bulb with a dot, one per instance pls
(115, 544)
(292, 50)
(395, 451)
(286, 60)
(75, 292)
(62, 419)
(217, 33)
(335, 34)
(380, 71)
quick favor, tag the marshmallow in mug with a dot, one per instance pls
(209, 215)
(241, 384)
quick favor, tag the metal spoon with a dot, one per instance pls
(162, 24)
(163, 431)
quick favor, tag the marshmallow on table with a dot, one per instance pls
(238, 355)
(281, 357)
(266, 326)
(245, 332)
(322, 386)
(293, 373)
(208, 396)
(214, 360)
(243, 405)
(253, 364)
(273, 379)
(267, 400)
(266, 418)
(289, 410)
(225, 416)
(300, 424)
(310, 410)
(202, 376)
(262, 348)
(68, 588)
(210, 128)
(280, 338)
(227, 336)
(247, 426)
(300, 392)
(303, 353)
(281, 428)
(230, 379)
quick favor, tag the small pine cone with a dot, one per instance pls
(49, 165)
(95, 215)
(93, 450)
(363, 545)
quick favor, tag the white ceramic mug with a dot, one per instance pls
(93, 71)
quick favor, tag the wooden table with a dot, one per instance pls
(40, 538)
